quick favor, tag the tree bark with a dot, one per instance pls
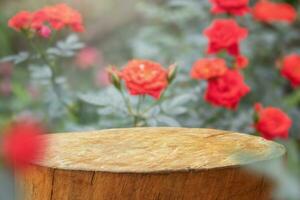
(151, 163)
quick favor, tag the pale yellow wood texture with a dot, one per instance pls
(151, 163)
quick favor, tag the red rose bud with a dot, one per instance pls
(172, 72)
(241, 62)
(227, 90)
(145, 77)
(23, 144)
(234, 7)
(208, 68)
(114, 76)
(268, 12)
(225, 34)
(45, 32)
(271, 122)
(291, 69)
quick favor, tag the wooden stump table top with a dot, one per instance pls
(145, 150)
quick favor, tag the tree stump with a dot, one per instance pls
(151, 163)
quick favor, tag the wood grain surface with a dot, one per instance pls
(151, 163)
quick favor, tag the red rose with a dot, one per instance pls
(291, 69)
(21, 20)
(226, 90)
(266, 11)
(207, 68)
(241, 62)
(272, 122)
(144, 77)
(61, 15)
(23, 144)
(234, 7)
(225, 34)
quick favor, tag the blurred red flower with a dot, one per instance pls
(207, 68)
(61, 16)
(145, 77)
(234, 7)
(266, 11)
(241, 62)
(25, 20)
(87, 57)
(21, 20)
(58, 16)
(272, 122)
(5, 87)
(225, 34)
(6, 69)
(226, 90)
(291, 69)
(102, 78)
(23, 144)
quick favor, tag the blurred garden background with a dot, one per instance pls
(166, 31)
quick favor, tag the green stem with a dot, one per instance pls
(141, 99)
(138, 117)
(157, 102)
(55, 86)
(127, 102)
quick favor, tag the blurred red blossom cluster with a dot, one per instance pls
(226, 85)
(23, 143)
(45, 20)
(268, 12)
(227, 88)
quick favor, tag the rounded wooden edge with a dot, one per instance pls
(279, 151)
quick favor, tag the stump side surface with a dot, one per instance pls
(232, 183)
(146, 150)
